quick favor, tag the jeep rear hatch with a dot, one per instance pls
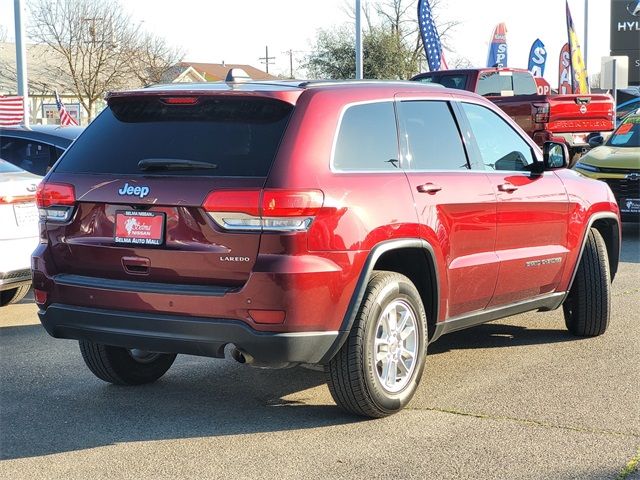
(136, 182)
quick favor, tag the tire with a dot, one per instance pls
(360, 384)
(122, 366)
(588, 306)
(13, 295)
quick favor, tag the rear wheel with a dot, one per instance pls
(378, 369)
(13, 295)
(122, 366)
(588, 305)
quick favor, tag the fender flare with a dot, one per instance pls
(361, 286)
(592, 219)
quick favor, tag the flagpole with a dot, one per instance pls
(21, 62)
(586, 35)
(358, 41)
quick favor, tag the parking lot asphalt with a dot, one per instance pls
(518, 398)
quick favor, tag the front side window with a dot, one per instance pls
(500, 146)
(367, 138)
(430, 136)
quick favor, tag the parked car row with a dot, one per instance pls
(26, 155)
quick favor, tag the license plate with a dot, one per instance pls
(26, 214)
(579, 138)
(630, 205)
(139, 228)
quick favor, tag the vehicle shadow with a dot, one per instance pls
(497, 335)
(51, 403)
(630, 252)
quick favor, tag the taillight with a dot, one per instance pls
(264, 210)
(541, 112)
(5, 199)
(179, 100)
(55, 201)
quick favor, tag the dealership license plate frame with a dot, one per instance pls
(26, 214)
(148, 218)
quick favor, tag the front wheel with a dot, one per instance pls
(588, 305)
(378, 369)
(123, 366)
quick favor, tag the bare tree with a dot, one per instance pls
(152, 58)
(100, 47)
(3, 33)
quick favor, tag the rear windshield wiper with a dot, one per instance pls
(173, 164)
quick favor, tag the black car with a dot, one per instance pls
(36, 149)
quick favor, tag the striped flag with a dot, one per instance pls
(430, 38)
(11, 111)
(65, 118)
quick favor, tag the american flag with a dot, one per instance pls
(430, 37)
(65, 118)
(11, 111)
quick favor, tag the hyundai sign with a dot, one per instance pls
(625, 34)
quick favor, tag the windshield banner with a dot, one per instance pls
(537, 58)
(498, 47)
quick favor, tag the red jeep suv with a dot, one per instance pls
(342, 224)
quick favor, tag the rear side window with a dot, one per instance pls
(367, 139)
(29, 155)
(240, 136)
(430, 136)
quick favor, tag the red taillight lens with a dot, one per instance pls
(541, 112)
(180, 100)
(239, 201)
(291, 203)
(16, 199)
(55, 194)
(40, 296)
(264, 210)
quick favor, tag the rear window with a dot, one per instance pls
(496, 84)
(458, 81)
(239, 135)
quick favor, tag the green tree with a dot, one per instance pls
(391, 43)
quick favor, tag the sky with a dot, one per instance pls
(237, 32)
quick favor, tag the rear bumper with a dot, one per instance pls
(181, 334)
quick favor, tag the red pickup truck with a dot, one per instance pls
(570, 119)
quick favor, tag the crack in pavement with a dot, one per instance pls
(537, 423)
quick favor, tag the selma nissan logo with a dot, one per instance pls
(235, 259)
(131, 190)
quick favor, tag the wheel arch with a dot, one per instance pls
(608, 225)
(409, 257)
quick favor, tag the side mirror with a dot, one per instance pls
(555, 155)
(596, 141)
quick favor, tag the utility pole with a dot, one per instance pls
(267, 59)
(21, 61)
(290, 52)
(358, 41)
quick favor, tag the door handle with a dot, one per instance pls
(429, 188)
(507, 187)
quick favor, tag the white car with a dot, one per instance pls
(18, 230)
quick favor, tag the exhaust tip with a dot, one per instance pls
(238, 356)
